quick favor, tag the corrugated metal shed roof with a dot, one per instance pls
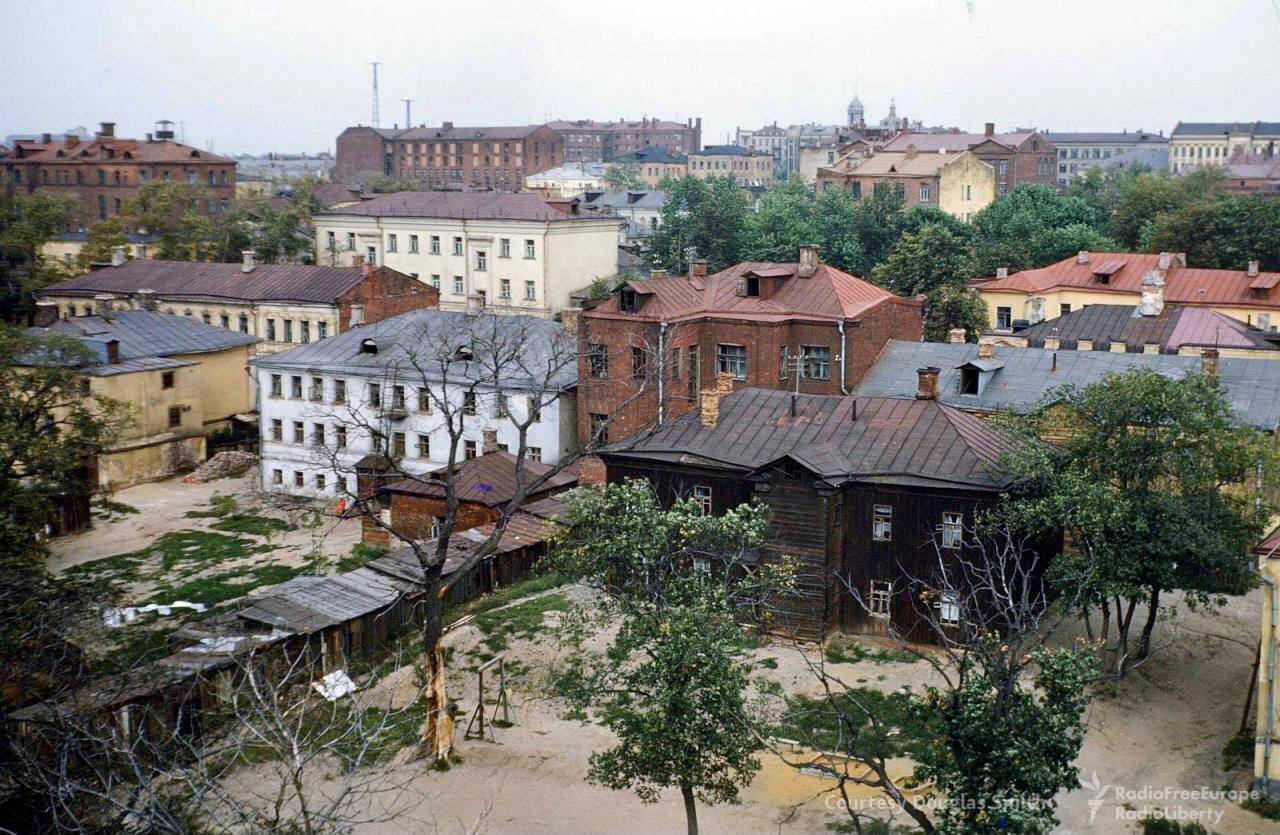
(204, 279)
(1029, 375)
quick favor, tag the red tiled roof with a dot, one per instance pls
(488, 479)
(1182, 285)
(829, 294)
(491, 205)
(202, 279)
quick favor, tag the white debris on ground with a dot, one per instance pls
(128, 614)
(230, 463)
(335, 685)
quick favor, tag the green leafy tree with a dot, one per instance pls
(1226, 232)
(1152, 483)
(875, 226)
(791, 215)
(99, 240)
(1033, 226)
(700, 219)
(173, 211)
(954, 306)
(923, 262)
(623, 176)
(1146, 196)
(671, 684)
(27, 222)
(390, 185)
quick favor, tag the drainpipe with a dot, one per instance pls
(1271, 676)
(662, 371)
(844, 388)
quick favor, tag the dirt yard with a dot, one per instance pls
(1164, 728)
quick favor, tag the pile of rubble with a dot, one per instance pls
(230, 463)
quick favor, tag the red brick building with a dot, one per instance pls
(647, 353)
(586, 140)
(484, 485)
(104, 172)
(1024, 156)
(447, 156)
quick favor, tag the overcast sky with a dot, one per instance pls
(289, 75)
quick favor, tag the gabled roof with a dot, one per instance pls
(1182, 285)
(828, 295)
(1137, 137)
(488, 479)
(1174, 327)
(886, 440)
(406, 345)
(210, 280)
(492, 205)
(724, 151)
(91, 151)
(1223, 128)
(654, 154)
(1029, 375)
(146, 337)
(934, 142)
(650, 199)
(899, 164)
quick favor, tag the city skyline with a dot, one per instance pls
(941, 62)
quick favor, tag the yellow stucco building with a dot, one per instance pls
(1088, 278)
(178, 380)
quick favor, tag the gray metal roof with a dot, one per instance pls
(144, 333)
(877, 439)
(410, 346)
(1219, 128)
(1029, 375)
(1106, 138)
(652, 199)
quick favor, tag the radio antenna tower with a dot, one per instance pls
(408, 120)
(376, 118)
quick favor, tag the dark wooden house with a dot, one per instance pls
(865, 494)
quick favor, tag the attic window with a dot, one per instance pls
(627, 300)
(368, 346)
(463, 354)
(1103, 272)
(969, 380)
(753, 285)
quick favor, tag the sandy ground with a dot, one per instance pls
(1164, 728)
(162, 507)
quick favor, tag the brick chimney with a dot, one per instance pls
(113, 351)
(927, 387)
(46, 139)
(911, 151)
(956, 336)
(104, 304)
(107, 129)
(489, 442)
(72, 140)
(446, 125)
(1209, 362)
(986, 350)
(989, 129)
(711, 399)
(1002, 272)
(1166, 258)
(357, 260)
(570, 317)
(657, 274)
(1052, 343)
(248, 257)
(698, 268)
(117, 256)
(475, 304)
(46, 313)
(146, 298)
(1253, 269)
(1082, 257)
(808, 261)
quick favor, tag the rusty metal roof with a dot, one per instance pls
(208, 280)
(1175, 326)
(488, 479)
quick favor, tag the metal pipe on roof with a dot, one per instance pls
(844, 387)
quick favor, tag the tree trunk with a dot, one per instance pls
(690, 809)
(1144, 642)
(437, 726)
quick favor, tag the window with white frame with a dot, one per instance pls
(815, 362)
(457, 285)
(880, 598)
(413, 244)
(435, 244)
(882, 523)
(732, 359)
(952, 530)
(457, 246)
(529, 251)
(948, 606)
(504, 288)
(530, 291)
(504, 248)
(702, 498)
(482, 260)
(393, 243)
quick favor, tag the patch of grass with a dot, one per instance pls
(1263, 807)
(107, 509)
(131, 646)
(871, 827)
(1237, 751)
(252, 523)
(219, 506)
(361, 553)
(521, 620)
(228, 585)
(767, 663)
(829, 725)
(501, 597)
(851, 652)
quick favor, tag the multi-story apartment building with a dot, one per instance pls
(640, 209)
(377, 391)
(648, 352)
(586, 140)
(787, 145)
(744, 165)
(1024, 156)
(653, 165)
(957, 182)
(281, 304)
(1193, 144)
(520, 253)
(447, 156)
(1078, 152)
(1089, 278)
(105, 171)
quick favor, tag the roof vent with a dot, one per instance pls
(368, 346)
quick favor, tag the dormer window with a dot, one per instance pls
(368, 346)
(753, 285)
(627, 300)
(969, 378)
(463, 354)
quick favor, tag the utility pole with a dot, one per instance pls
(376, 118)
(408, 120)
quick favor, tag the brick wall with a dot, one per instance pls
(384, 293)
(412, 515)
(359, 157)
(632, 403)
